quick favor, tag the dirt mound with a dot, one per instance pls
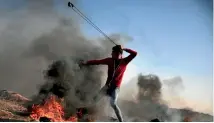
(11, 105)
(12, 96)
(13, 110)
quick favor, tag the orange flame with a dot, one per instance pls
(51, 109)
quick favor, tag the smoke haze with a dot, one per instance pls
(35, 35)
(32, 38)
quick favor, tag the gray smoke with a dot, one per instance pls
(173, 88)
(149, 104)
(34, 35)
(174, 84)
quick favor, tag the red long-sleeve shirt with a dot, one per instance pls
(119, 72)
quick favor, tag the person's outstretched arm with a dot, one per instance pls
(96, 62)
(132, 54)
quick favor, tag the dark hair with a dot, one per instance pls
(117, 48)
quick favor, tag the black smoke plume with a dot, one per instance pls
(36, 35)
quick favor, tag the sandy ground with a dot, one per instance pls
(12, 108)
